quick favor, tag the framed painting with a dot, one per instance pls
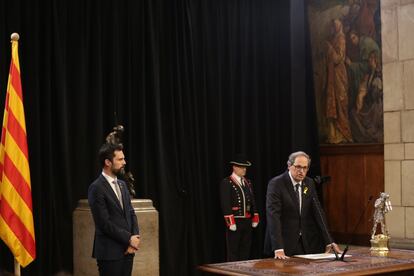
(346, 55)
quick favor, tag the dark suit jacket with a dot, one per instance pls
(113, 225)
(285, 222)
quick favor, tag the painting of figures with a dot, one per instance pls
(346, 54)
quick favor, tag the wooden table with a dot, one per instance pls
(397, 262)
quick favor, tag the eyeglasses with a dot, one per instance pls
(298, 168)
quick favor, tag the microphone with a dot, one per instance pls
(356, 227)
(321, 179)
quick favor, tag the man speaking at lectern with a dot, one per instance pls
(296, 223)
(116, 227)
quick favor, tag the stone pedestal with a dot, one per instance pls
(146, 261)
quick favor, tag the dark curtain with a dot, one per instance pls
(194, 82)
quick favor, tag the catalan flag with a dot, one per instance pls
(16, 215)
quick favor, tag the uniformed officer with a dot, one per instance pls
(239, 210)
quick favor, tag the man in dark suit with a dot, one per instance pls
(116, 228)
(296, 223)
(239, 210)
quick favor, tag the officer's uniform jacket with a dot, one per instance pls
(237, 201)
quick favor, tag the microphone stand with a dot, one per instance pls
(321, 180)
(356, 227)
(325, 228)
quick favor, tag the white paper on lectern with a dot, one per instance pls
(321, 256)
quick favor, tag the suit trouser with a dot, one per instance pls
(122, 267)
(239, 241)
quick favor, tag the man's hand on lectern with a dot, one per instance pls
(280, 255)
(331, 247)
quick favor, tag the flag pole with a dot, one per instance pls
(15, 37)
(16, 268)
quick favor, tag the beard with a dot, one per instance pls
(118, 172)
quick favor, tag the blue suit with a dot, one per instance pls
(114, 226)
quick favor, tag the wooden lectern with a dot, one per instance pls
(397, 262)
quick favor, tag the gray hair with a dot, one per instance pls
(294, 155)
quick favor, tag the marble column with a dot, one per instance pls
(398, 70)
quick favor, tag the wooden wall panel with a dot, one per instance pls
(357, 173)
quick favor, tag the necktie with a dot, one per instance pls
(118, 193)
(297, 193)
(241, 181)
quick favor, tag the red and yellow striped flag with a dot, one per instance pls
(16, 217)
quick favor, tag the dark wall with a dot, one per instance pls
(193, 82)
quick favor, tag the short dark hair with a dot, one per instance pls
(107, 151)
(292, 157)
